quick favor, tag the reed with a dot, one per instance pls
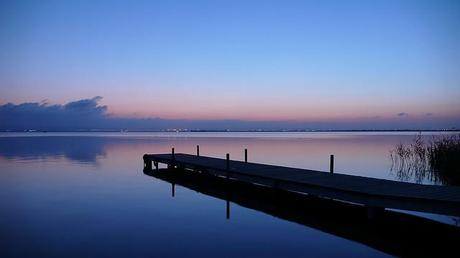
(436, 160)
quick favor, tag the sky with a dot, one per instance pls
(340, 64)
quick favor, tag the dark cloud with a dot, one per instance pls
(86, 106)
(80, 114)
(402, 114)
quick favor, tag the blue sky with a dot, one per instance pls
(245, 60)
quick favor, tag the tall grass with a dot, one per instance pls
(436, 160)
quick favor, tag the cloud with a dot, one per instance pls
(429, 114)
(87, 106)
(402, 114)
(80, 114)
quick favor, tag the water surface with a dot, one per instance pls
(84, 194)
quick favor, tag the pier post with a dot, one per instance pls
(173, 158)
(227, 165)
(173, 189)
(246, 155)
(156, 164)
(228, 161)
(331, 165)
(198, 150)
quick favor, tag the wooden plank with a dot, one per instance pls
(358, 189)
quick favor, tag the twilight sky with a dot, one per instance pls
(318, 61)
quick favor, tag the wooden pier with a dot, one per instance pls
(375, 194)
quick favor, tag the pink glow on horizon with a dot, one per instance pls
(186, 104)
(261, 113)
(191, 108)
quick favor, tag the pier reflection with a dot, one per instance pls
(394, 233)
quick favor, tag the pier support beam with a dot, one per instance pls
(246, 155)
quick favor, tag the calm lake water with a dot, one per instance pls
(85, 195)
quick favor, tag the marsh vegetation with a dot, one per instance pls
(436, 160)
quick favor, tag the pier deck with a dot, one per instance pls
(374, 193)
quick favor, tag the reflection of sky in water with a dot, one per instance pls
(55, 204)
(79, 149)
(364, 154)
